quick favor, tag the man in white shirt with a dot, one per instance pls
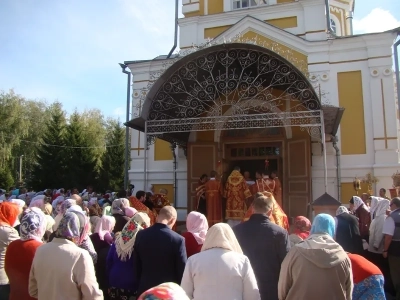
(391, 250)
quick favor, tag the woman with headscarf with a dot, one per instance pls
(62, 268)
(47, 209)
(118, 212)
(64, 206)
(102, 236)
(374, 205)
(347, 231)
(376, 242)
(318, 267)
(368, 279)
(220, 271)
(197, 226)
(361, 211)
(95, 213)
(20, 253)
(301, 231)
(8, 215)
(130, 212)
(165, 291)
(21, 204)
(120, 263)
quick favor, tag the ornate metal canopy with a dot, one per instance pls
(228, 86)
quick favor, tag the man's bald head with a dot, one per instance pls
(167, 216)
(77, 198)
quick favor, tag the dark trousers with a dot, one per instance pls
(4, 292)
(394, 264)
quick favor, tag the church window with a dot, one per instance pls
(333, 26)
(237, 4)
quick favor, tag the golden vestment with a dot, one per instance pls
(140, 207)
(236, 193)
(277, 217)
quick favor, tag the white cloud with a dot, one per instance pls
(119, 111)
(377, 20)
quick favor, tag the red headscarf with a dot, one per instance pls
(302, 227)
(8, 213)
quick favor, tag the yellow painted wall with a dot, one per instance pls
(169, 188)
(298, 59)
(162, 150)
(352, 126)
(347, 191)
(215, 6)
(212, 32)
(283, 23)
(196, 13)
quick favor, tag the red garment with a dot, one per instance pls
(18, 262)
(362, 268)
(302, 227)
(192, 246)
(8, 213)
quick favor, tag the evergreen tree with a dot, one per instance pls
(112, 169)
(79, 156)
(50, 167)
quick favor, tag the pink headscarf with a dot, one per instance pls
(104, 226)
(37, 202)
(196, 224)
(130, 212)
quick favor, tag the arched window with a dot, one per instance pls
(333, 26)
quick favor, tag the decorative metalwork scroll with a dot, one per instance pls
(245, 80)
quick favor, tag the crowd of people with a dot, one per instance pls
(55, 245)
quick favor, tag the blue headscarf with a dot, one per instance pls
(323, 223)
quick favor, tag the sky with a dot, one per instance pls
(69, 51)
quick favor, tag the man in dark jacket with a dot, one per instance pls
(159, 252)
(265, 244)
(347, 232)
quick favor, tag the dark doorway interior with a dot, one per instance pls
(254, 165)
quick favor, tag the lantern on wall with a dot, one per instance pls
(357, 185)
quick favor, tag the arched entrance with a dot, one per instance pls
(235, 87)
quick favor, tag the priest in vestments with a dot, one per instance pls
(278, 188)
(160, 200)
(137, 203)
(214, 193)
(201, 205)
(236, 192)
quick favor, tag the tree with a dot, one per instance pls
(51, 165)
(79, 155)
(112, 168)
(6, 179)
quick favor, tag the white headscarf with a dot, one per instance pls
(374, 204)
(382, 207)
(221, 236)
(358, 202)
(341, 210)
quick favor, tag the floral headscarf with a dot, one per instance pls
(126, 239)
(73, 226)
(302, 227)
(67, 204)
(342, 210)
(118, 206)
(33, 225)
(8, 213)
(165, 291)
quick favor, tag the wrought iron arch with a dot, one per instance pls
(251, 80)
(227, 74)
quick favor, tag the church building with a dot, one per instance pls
(277, 85)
